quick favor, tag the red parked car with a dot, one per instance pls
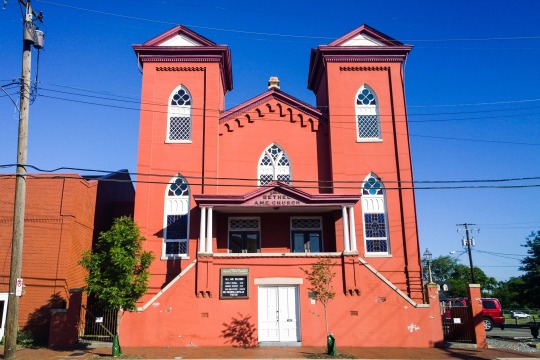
(491, 310)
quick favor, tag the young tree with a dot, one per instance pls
(118, 269)
(531, 266)
(320, 277)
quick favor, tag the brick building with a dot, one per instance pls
(257, 192)
(64, 214)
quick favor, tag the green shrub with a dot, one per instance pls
(24, 339)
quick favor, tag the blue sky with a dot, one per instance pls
(471, 87)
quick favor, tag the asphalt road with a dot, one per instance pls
(510, 332)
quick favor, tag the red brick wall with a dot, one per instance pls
(59, 216)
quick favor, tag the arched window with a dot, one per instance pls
(179, 116)
(176, 218)
(274, 164)
(375, 219)
(368, 125)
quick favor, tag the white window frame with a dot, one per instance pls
(367, 110)
(320, 229)
(257, 229)
(176, 205)
(274, 169)
(179, 111)
(375, 204)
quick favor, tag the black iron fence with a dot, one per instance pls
(99, 323)
(457, 324)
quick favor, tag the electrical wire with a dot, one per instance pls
(298, 183)
(284, 35)
(503, 255)
(138, 101)
(10, 98)
(255, 186)
(507, 102)
(266, 118)
(352, 125)
(333, 122)
(252, 179)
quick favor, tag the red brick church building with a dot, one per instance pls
(248, 197)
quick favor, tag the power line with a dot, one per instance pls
(188, 25)
(64, 168)
(476, 140)
(535, 37)
(503, 255)
(138, 101)
(352, 125)
(252, 182)
(507, 102)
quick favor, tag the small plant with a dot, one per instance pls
(25, 339)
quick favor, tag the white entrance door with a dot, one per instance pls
(278, 313)
(3, 311)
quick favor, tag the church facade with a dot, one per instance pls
(237, 204)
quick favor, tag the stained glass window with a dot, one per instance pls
(274, 164)
(179, 116)
(375, 218)
(176, 222)
(372, 186)
(367, 115)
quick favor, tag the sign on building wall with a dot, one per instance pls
(234, 284)
(273, 198)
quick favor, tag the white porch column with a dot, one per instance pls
(209, 232)
(352, 227)
(202, 231)
(346, 247)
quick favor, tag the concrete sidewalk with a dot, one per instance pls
(268, 353)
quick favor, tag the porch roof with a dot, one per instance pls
(278, 196)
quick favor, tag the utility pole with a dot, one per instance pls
(473, 279)
(12, 318)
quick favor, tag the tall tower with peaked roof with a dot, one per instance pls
(358, 80)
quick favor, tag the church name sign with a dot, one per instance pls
(274, 198)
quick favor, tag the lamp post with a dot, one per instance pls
(427, 256)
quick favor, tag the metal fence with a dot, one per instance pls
(99, 323)
(457, 324)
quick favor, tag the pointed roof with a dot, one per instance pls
(365, 36)
(277, 194)
(264, 98)
(179, 36)
(363, 44)
(181, 44)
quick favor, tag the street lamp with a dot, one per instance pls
(427, 256)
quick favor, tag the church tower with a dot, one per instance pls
(358, 81)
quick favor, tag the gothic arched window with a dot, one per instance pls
(374, 215)
(179, 116)
(274, 164)
(368, 125)
(176, 218)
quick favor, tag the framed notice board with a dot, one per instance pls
(234, 284)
